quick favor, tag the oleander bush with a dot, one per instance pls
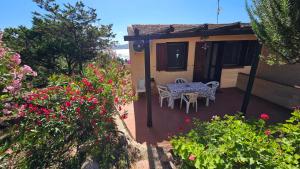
(233, 142)
(60, 124)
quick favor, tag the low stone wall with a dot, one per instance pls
(281, 94)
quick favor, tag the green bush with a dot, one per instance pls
(233, 142)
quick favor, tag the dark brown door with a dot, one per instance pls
(199, 62)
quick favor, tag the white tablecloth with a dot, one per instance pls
(177, 89)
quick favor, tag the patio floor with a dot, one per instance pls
(167, 122)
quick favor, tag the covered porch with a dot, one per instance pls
(167, 122)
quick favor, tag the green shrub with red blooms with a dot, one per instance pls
(233, 142)
(72, 112)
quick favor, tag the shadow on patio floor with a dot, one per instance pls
(167, 122)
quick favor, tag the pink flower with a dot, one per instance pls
(26, 69)
(9, 151)
(16, 58)
(7, 105)
(192, 157)
(34, 73)
(110, 81)
(21, 114)
(10, 89)
(2, 52)
(264, 116)
(6, 111)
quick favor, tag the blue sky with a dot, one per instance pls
(122, 13)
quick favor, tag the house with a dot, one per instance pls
(202, 58)
(227, 53)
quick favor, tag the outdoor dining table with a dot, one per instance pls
(177, 89)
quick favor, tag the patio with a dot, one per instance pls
(167, 121)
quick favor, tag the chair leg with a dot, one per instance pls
(207, 102)
(196, 106)
(187, 108)
(161, 102)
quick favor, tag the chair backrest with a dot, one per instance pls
(192, 97)
(214, 85)
(180, 80)
(162, 90)
(141, 84)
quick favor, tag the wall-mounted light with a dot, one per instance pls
(177, 54)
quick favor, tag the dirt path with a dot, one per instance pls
(151, 156)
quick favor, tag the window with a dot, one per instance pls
(232, 53)
(172, 56)
(239, 53)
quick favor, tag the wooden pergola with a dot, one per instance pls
(201, 31)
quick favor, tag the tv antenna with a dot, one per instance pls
(218, 11)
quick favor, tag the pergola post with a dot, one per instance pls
(251, 79)
(148, 81)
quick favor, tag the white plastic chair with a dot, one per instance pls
(180, 80)
(141, 87)
(189, 98)
(163, 94)
(214, 86)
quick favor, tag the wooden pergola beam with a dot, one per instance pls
(148, 81)
(250, 81)
(212, 32)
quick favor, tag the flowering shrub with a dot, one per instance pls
(12, 76)
(232, 142)
(72, 111)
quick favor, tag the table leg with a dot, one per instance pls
(207, 102)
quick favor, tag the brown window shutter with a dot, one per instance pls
(161, 56)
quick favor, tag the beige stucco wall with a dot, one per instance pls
(287, 74)
(280, 94)
(163, 77)
(229, 76)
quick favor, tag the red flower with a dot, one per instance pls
(77, 109)
(264, 116)
(68, 104)
(86, 82)
(46, 111)
(53, 116)
(187, 120)
(192, 157)
(91, 107)
(110, 81)
(120, 108)
(124, 116)
(268, 132)
(61, 116)
(116, 100)
(93, 122)
(39, 122)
